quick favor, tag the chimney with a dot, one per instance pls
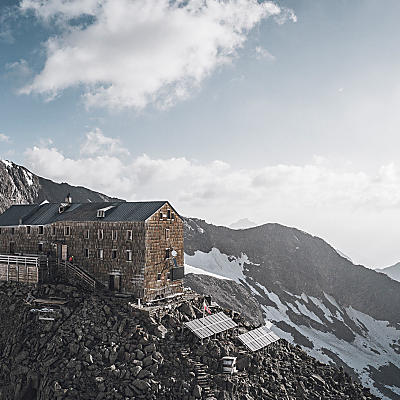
(68, 199)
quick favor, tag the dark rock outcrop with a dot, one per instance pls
(100, 347)
(20, 186)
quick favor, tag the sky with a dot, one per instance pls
(280, 111)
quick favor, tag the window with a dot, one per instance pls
(12, 231)
(159, 276)
(40, 247)
(167, 253)
(101, 254)
(28, 230)
(41, 230)
(67, 230)
(128, 235)
(172, 215)
(129, 255)
(167, 234)
(168, 276)
(113, 254)
(0, 231)
(114, 235)
(87, 254)
(53, 230)
(100, 234)
(169, 214)
(101, 213)
(87, 234)
(161, 215)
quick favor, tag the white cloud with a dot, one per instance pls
(102, 165)
(285, 15)
(348, 207)
(136, 52)
(96, 143)
(262, 53)
(4, 138)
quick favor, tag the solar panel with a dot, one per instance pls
(210, 325)
(258, 338)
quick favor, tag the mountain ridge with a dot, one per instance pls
(341, 313)
(21, 186)
(392, 272)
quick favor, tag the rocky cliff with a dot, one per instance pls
(20, 186)
(102, 347)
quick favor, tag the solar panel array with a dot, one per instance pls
(210, 325)
(258, 338)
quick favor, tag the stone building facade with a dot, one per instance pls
(132, 248)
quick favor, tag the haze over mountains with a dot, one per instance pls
(392, 271)
(340, 313)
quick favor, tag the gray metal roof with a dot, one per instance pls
(258, 338)
(48, 213)
(210, 325)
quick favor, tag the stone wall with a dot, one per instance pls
(163, 234)
(147, 245)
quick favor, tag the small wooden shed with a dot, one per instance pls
(25, 269)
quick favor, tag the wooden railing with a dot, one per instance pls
(78, 272)
(21, 260)
(18, 268)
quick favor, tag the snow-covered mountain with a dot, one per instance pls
(243, 223)
(339, 312)
(20, 186)
(392, 271)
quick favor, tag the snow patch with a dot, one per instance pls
(189, 269)
(7, 163)
(28, 177)
(220, 264)
(358, 354)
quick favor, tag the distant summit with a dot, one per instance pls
(392, 271)
(243, 223)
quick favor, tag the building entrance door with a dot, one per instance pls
(62, 252)
(111, 283)
(114, 282)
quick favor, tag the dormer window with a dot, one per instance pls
(101, 213)
(63, 207)
(41, 230)
(28, 230)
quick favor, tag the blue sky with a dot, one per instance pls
(284, 112)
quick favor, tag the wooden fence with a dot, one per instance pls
(24, 269)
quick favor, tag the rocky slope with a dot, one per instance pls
(20, 186)
(101, 347)
(392, 271)
(338, 312)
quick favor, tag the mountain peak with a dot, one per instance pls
(243, 223)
